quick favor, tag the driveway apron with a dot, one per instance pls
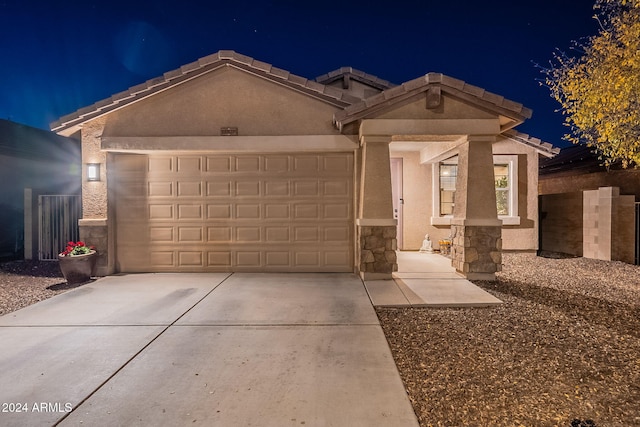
(209, 349)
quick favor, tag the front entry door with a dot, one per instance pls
(396, 194)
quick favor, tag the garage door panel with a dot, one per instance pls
(219, 211)
(160, 164)
(277, 212)
(219, 259)
(277, 188)
(189, 164)
(306, 164)
(218, 188)
(220, 164)
(189, 189)
(276, 164)
(247, 164)
(189, 212)
(235, 212)
(190, 259)
(220, 234)
(247, 211)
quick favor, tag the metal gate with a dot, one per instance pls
(58, 224)
(637, 260)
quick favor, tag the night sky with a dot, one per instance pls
(59, 56)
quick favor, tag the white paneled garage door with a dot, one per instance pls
(270, 212)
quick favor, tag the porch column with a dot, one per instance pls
(475, 227)
(376, 226)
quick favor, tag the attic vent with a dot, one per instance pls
(229, 131)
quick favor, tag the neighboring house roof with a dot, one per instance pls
(18, 140)
(575, 160)
(543, 147)
(202, 66)
(447, 84)
(348, 73)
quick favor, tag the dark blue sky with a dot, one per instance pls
(58, 56)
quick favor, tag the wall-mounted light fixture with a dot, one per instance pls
(93, 171)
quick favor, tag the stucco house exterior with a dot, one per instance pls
(232, 164)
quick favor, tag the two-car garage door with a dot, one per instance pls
(225, 212)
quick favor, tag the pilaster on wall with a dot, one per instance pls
(375, 224)
(94, 193)
(94, 226)
(475, 227)
(608, 225)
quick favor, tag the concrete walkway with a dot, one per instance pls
(201, 349)
(427, 280)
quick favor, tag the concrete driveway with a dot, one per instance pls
(202, 349)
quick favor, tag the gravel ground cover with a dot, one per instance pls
(23, 283)
(563, 349)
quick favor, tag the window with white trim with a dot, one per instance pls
(505, 170)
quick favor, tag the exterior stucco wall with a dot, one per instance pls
(224, 98)
(522, 237)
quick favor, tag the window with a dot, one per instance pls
(505, 170)
(503, 188)
(448, 176)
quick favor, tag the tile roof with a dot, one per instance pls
(455, 87)
(575, 160)
(353, 107)
(543, 147)
(202, 66)
(352, 73)
(18, 140)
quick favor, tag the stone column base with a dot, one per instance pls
(476, 250)
(378, 246)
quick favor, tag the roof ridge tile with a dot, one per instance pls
(433, 77)
(226, 54)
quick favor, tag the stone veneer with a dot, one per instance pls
(378, 246)
(476, 250)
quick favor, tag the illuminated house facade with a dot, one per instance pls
(232, 164)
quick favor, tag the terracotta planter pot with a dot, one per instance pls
(78, 268)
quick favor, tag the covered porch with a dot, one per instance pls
(436, 118)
